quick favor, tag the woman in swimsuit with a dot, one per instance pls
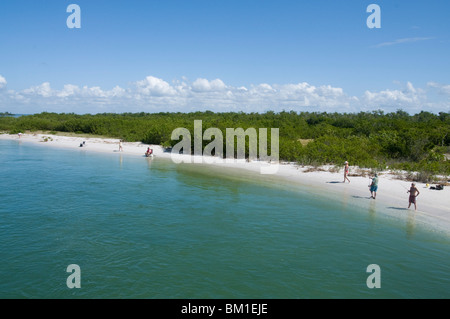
(346, 172)
(412, 195)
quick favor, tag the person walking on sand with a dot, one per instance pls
(374, 187)
(346, 172)
(120, 146)
(412, 195)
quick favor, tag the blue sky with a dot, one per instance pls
(247, 55)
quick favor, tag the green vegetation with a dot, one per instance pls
(373, 140)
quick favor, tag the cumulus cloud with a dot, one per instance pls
(2, 82)
(70, 91)
(43, 90)
(311, 95)
(153, 94)
(154, 86)
(408, 97)
(203, 85)
(442, 88)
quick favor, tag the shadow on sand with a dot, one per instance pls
(398, 208)
(364, 197)
(334, 182)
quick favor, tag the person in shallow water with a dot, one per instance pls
(412, 195)
(149, 152)
(374, 187)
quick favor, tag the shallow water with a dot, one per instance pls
(147, 228)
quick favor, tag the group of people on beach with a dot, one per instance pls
(413, 191)
(148, 153)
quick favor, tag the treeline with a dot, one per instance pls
(368, 139)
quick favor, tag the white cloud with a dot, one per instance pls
(153, 94)
(2, 82)
(410, 98)
(71, 91)
(401, 41)
(68, 90)
(264, 88)
(154, 86)
(203, 85)
(43, 90)
(443, 89)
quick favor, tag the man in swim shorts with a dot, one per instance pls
(412, 195)
(374, 187)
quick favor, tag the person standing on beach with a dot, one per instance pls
(374, 187)
(120, 146)
(412, 195)
(346, 172)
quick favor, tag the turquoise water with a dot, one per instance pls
(147, 228)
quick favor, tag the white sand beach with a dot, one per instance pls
(392, 198)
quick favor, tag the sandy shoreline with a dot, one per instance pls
(392, 198)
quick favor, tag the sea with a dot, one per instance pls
(148, 228)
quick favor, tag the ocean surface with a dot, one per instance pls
(148, 228)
